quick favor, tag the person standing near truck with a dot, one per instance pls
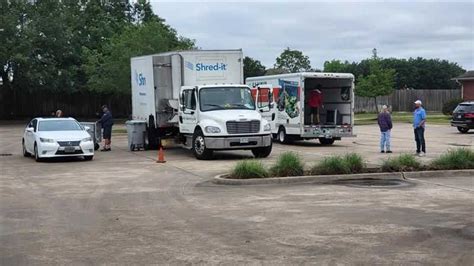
(419, 119)
(106, 121)
(315, 102)
(385, 125)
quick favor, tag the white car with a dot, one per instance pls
(57, 137)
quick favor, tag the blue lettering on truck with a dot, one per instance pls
(206, 66)
(140, 79)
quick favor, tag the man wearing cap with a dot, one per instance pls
(419, 119)
(106, 122)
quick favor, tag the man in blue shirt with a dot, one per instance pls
(419, 119)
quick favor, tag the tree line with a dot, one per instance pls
(412, 73)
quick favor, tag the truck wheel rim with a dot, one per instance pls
(199, 145)
(36, 152)
(282, 136)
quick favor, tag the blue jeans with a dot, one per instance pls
(385, 140)
(420, 139)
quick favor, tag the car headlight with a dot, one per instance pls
(86, 139)
(47, 140)
(211, 129)
(267, 127)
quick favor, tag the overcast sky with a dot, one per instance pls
(328, 30)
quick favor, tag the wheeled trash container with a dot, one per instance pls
(136, 131)
(94, 131)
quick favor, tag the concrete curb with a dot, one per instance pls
(314, 179)
(440, 173)
(325, 179)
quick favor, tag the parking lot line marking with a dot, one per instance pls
(442, 185)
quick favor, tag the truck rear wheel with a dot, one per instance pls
(262, 152)
(325, 141)
(199, 146)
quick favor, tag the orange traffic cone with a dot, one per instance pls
(161, 156)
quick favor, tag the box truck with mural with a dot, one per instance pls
(198, 98)
(308, 105)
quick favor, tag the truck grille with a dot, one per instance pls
(244, 127)
(68, 143)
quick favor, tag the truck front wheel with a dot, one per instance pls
(262, 152)
(199, 146)
(283, 137)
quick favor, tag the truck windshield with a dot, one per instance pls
(221, 98)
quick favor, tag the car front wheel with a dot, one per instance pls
(463, 129)
(25, 152)
(37, 157)
(88, 158)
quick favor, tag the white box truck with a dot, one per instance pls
(198, 98)
(294, 117)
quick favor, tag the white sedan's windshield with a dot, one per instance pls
(59, 125)
(226, 98)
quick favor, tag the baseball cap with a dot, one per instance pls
(418, 102)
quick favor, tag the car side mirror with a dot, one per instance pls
(87, 128)
(30, 129)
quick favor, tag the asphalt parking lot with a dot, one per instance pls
(124, 208)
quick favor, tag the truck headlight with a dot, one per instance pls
(211, 129)
(86, 139)
(267, 127)
(47, 140)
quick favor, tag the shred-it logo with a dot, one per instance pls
(218, 66)
(140, 79)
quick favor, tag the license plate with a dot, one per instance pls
(459, 116)
(244, 140)
(69, 149)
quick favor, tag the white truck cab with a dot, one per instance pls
(197, 97)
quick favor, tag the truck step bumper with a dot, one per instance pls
(235, 143)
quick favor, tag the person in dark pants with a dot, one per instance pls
(385, 124)
(106, 122)
(315, 103)
(419, 119)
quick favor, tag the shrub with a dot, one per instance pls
(330, 166)
(455, 159)
(350, 163)
(449, 106)
(404, 162)
(249, 169)
(355, 162)
(288, 164)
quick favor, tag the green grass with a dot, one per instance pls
(454, 159)
(288, 164)
(404, 162)
(400, 117)
(249, 169)
(347, 164)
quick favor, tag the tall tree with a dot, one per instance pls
(253, 67)
(109, 71)
(379, 82)
(293, 61)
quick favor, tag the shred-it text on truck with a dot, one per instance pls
(198, 98)
(308, 105)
